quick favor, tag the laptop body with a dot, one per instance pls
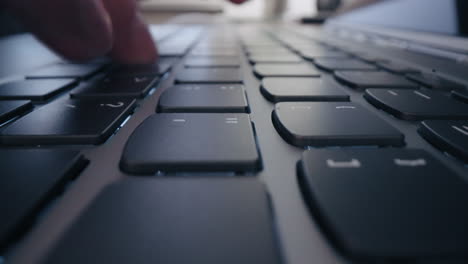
(335, 144)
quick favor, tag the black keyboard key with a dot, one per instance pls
(369, 57)
(192, 142)
(435, 82)
(69, 122)
(332, 124)
(10, 109)
(29, 178)
(312, 53)
(396, 67)
(275, 58)
(64, 70)
(212, 61)
(286, 70)
(337, 64)
(278, 89)
(381, 204)
(204, 99)
(34, 89)
(173, 221)
(449, 136)
(461, 95)
(209, 75)
(148, 70)
(116, 87)
(371, 79)
(417, 104)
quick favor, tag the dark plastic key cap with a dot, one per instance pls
(450, 136)
(212, 61)
(277, 89)
(149, 70)
(34, 89)
(173, 221)
(312, 53)
(192, 142)
(29, 178)
(64, 70)
(461, 95)
(69, 122)
(209, 75)
(10, 109)
(332, 124)
(337, 64)
(417, 104)
(435, 82)
(285, 70)
(275, 59)
(116, 87)
(370, 58)
(382, 204)
(204, 99)
(370, 79)
(396, 67)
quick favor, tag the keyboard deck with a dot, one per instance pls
(362, 154)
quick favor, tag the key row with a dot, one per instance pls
(413, 172)
(397, 90)
(128, 81)
(335, 59)
(110, 99)
(197, 142)
(92, 121)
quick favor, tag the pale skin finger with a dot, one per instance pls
(84, 29)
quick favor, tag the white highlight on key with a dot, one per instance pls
(232, 120)
(461, 130)
(140, 79)
(422, 95)
(352, 164)
(392, 92)
(345, 107)
(410, 163)
(116, 105)
(179, 120)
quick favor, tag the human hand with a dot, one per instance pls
(84, 29)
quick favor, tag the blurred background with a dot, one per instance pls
(168, 11)
(251, 10)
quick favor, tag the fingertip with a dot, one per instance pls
(134, 44)
(238, 1)
(77, 30)
(82, 50)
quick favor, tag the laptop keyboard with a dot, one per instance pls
(380, 148)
